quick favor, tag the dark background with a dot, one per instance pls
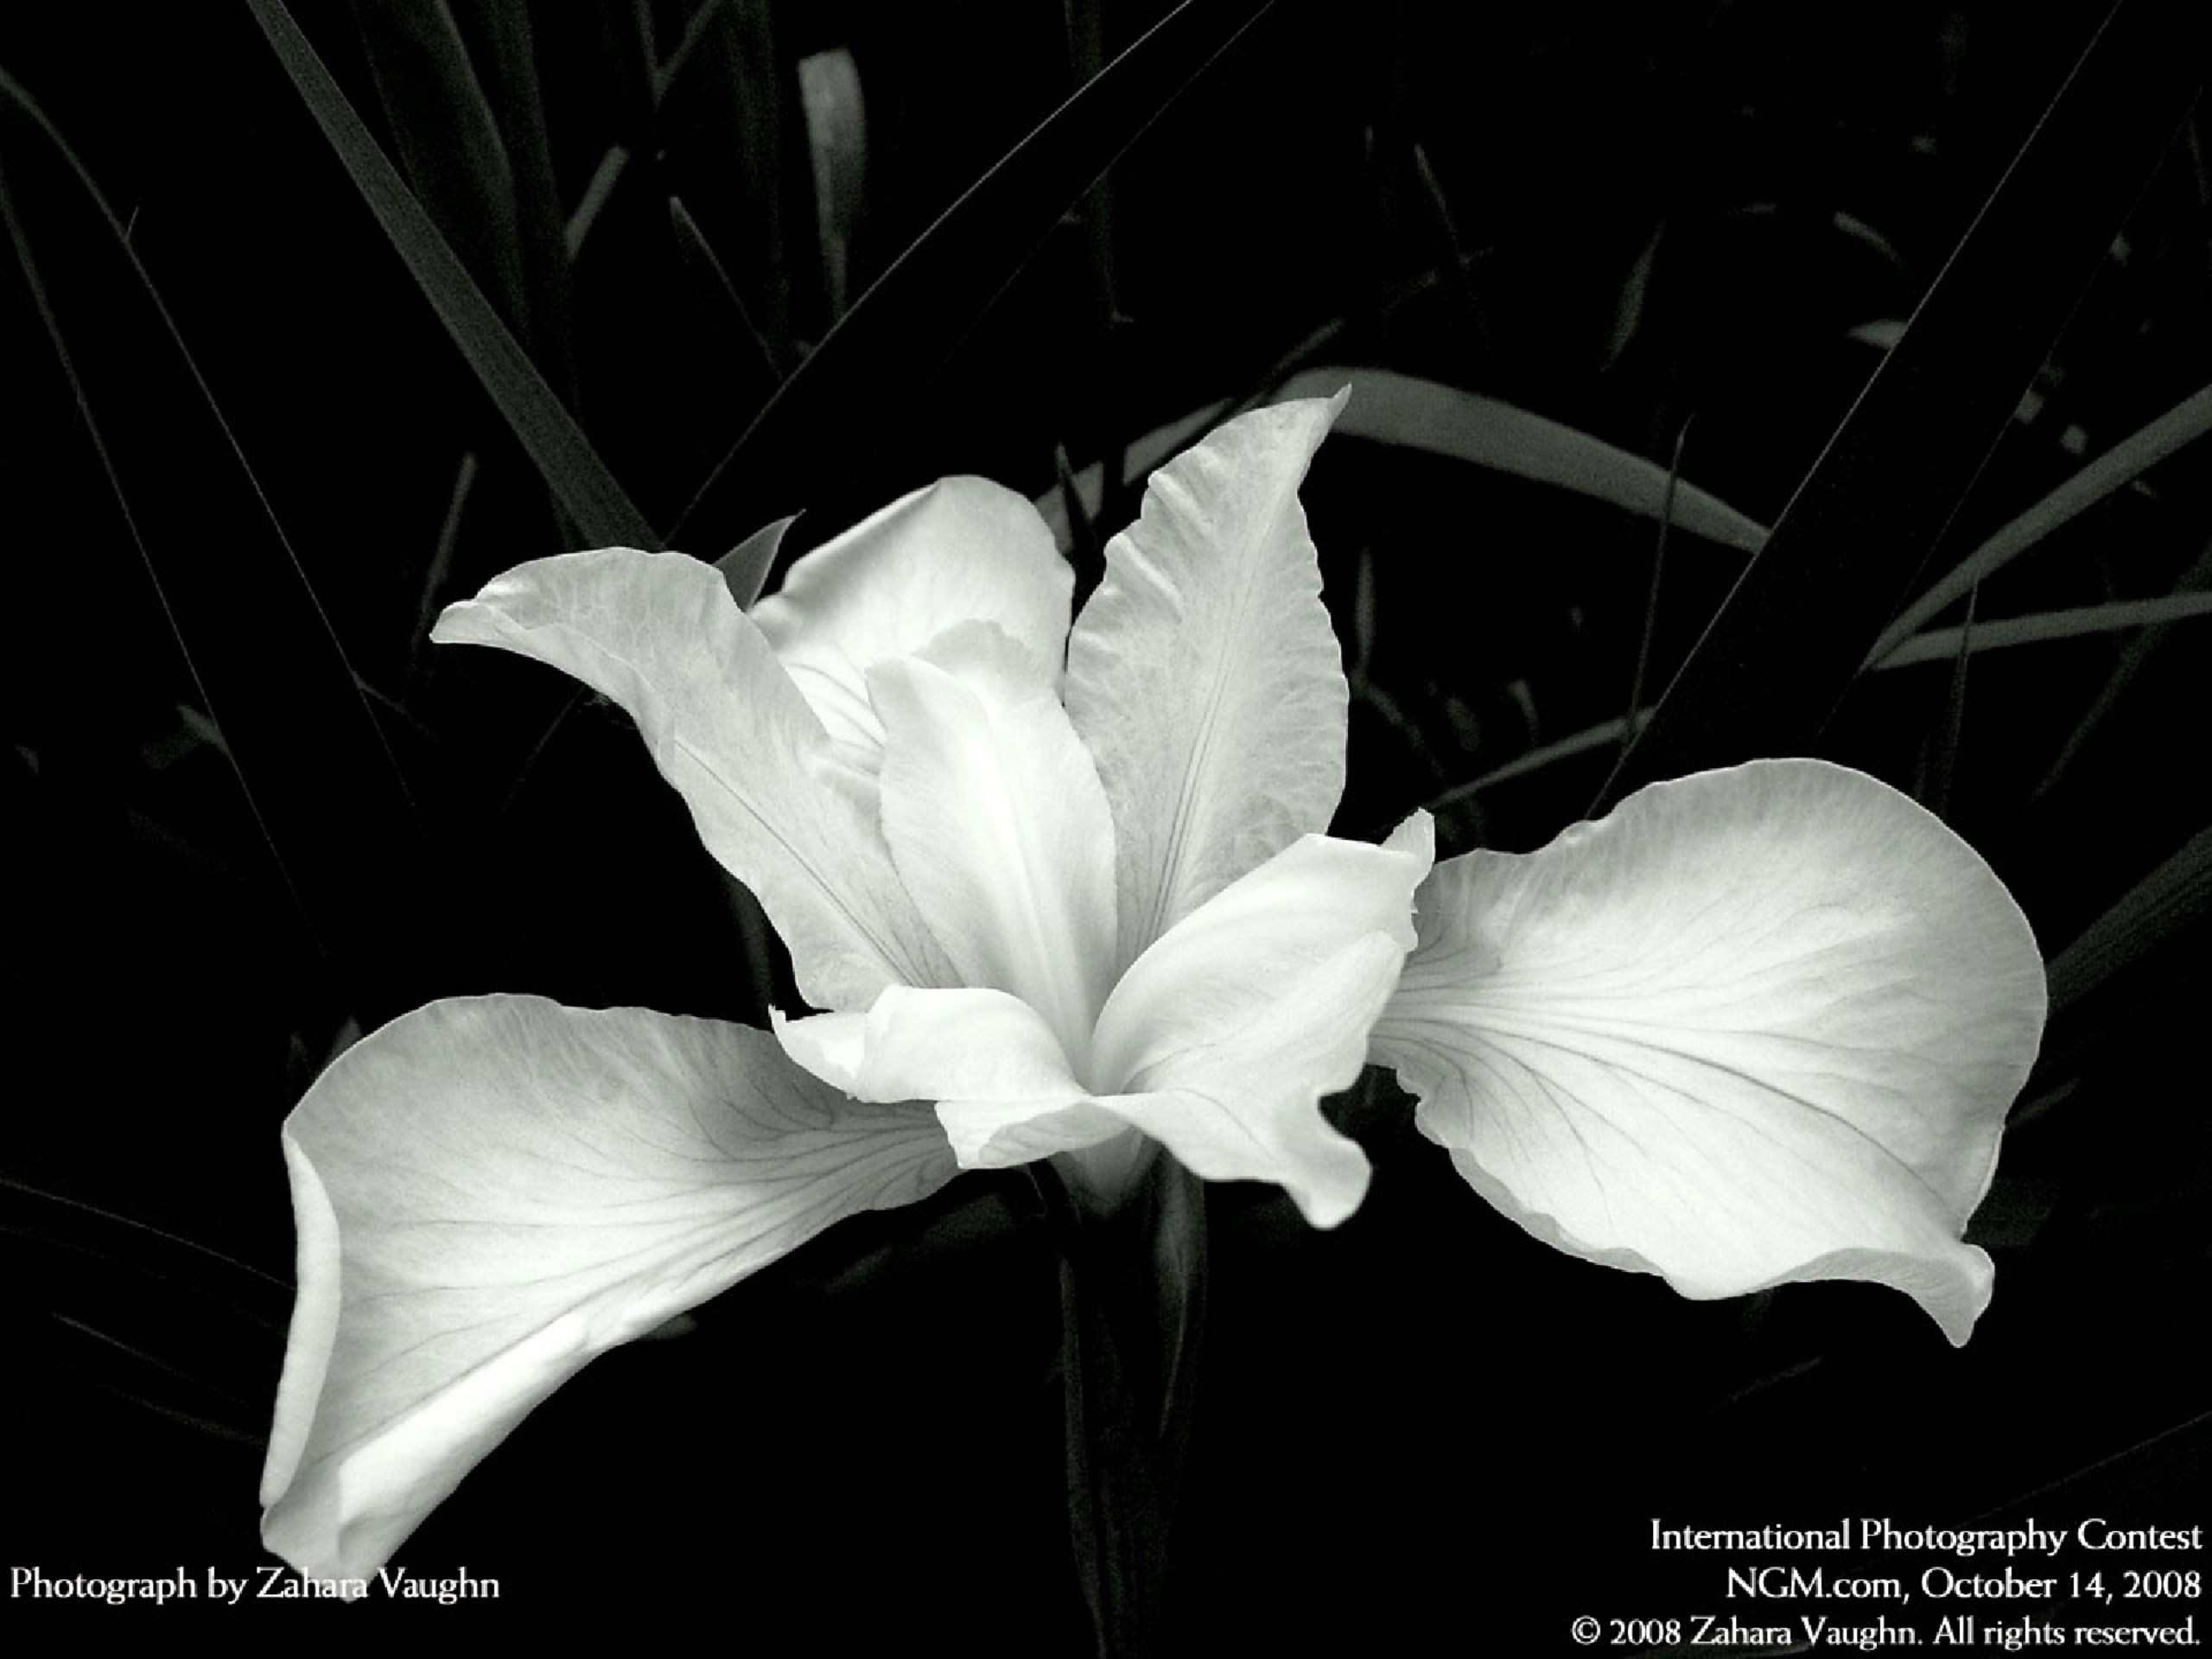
(1422, 1428)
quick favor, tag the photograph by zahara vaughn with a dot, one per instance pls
(1108, 830)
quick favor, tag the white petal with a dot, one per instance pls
(1758, 1026)
(1248, 1109)
(491, 1192)
(963, 550)
(1222, 1039)
(1219, 1043)
(1005, 1092)
(1203, 677)
(998, 825)
(1248, 945)
(660, 634)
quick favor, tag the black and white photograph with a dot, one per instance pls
(1107, 828)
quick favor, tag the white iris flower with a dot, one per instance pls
(1065, 892)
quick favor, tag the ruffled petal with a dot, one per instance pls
(1222, 1039)
(1758, 1026)
(1005, 1092)
(1242, 949)
(1219, 1042)
(998, 825)
(1248, 1109)
(660, 634)
(491, 1192)
(1204, 675)
(963, 550)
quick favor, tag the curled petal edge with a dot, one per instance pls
(490, 1192)
(772, 794)
(1758, 1026)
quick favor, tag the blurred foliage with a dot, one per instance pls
(1684, 235)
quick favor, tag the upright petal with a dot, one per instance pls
(1758, 1026)
(490, 1192)
(1204, 675)
(1219, 1043)
(660, 634)
(964, 550)
(998, 825)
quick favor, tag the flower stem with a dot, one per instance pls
(1129, 1363)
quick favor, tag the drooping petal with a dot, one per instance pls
(998, 825)
(1758, 1026)
(491, 1192)
(963, 550)
(1204, 675)
(1243, 947)
(1249, 1108)
(1223, 1037)
(660, 634)
(1004, 1091)
(1219, 1042)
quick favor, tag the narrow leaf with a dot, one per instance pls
(563, 457)
(730, 115)
(1438, 420)
(440, 567)
(1441, 420)
(448, 141)
(519, 102)
(1778, 657)
(2125, 462)
(1605, 734)
(2132, 660)
(307, 751)
(837, 136)
(694, 31)
(1138, 458)
(1940, 644)
(719, 303)
(597, 190)
(2173, 897)
(746, 566)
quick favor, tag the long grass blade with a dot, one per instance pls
(695, 30)
(1787, 644)
(1458, 267)
(1416, 413)
(578, 479)
(719, 304)
(2173, 897)
(1942, 644)
(306, 750)
(149, 1381)
(518, 103)
(436, 573)
(1937, 645)
(1605, 734)
(599, 189)
(2124, 462)
(1412, 413)
(1645, 635)
(2138, 654)
(448, 141)
(1138, 459)
(1947, 741)
(98, 1231)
